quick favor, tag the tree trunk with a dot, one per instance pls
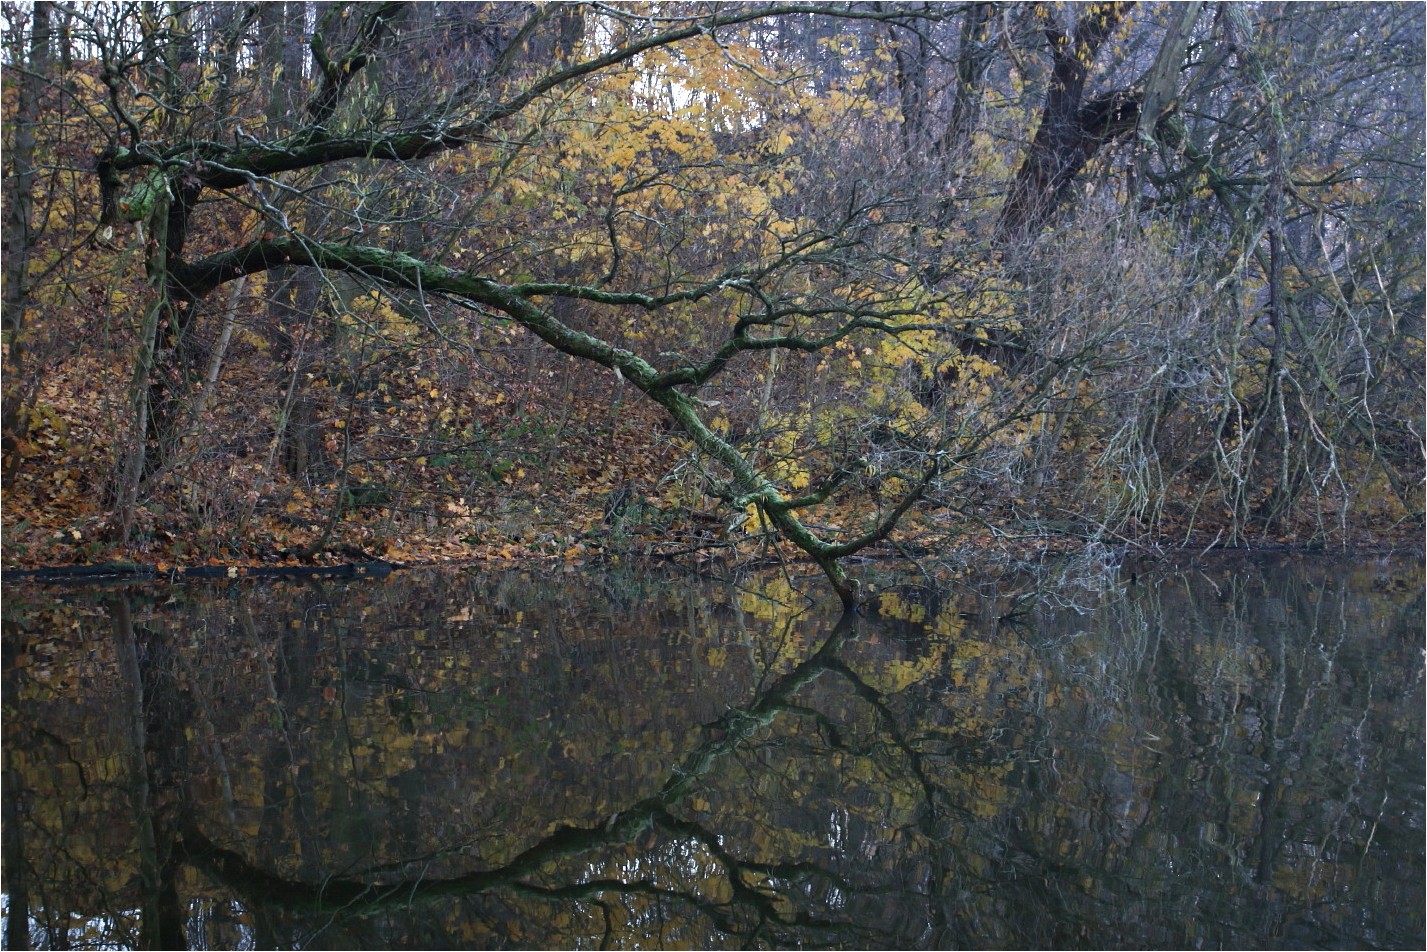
(971, 63)
(1071, 130)
(302, 441)
(18, 238)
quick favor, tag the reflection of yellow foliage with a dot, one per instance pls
(771, 599)
(892, 605)
(949, 624)
(988, 791)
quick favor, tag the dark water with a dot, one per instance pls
(1230, 757)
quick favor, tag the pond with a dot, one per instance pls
(1226, 756)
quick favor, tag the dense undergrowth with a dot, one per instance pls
(566, 468)
(700, 287)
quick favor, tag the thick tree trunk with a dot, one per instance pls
(18, 237)
(1071, 130)
(19, 205)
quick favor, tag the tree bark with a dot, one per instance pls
(1071, 129)
(18, 239)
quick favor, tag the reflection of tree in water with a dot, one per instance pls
(676, 861)
(506, 769)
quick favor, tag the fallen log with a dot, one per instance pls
(138, 572)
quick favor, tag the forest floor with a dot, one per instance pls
(560, 469)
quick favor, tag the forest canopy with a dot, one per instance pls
(305, 280)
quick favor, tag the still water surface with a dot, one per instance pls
(1226, 757)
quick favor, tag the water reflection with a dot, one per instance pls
(1228, 757)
